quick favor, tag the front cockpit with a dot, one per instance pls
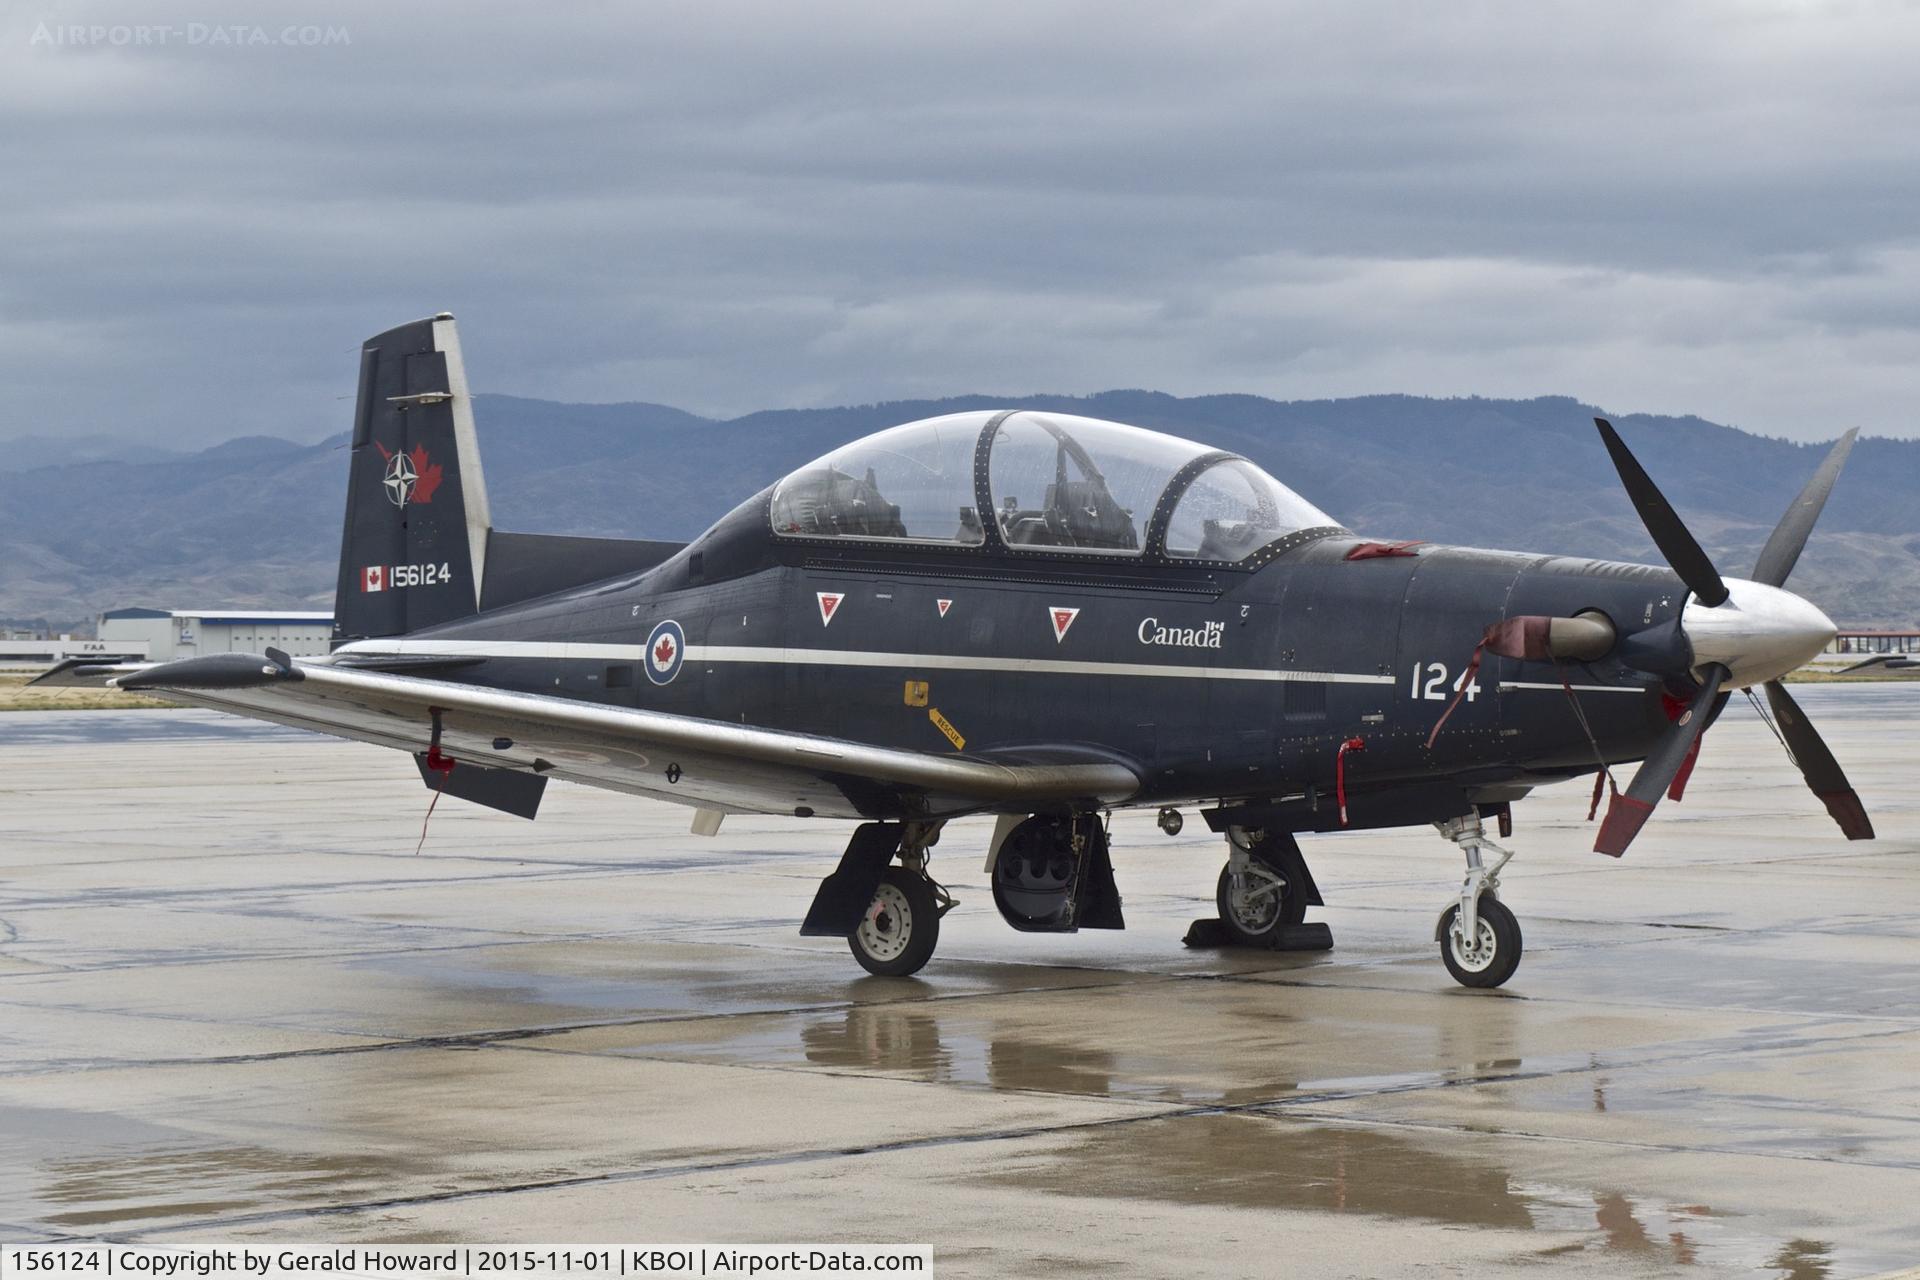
(1032, 482)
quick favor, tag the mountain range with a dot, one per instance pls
(91, 523)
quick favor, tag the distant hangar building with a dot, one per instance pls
(187, 633)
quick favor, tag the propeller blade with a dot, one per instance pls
(1817, 765)
(1663, 522)
(1629, 810)
(1783, 547)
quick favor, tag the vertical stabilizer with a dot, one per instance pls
(413, 552)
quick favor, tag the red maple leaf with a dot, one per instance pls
(428, 475)
(663, 652)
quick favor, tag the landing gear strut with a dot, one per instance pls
(901, 926)
(1256, 898)
(1479, 938)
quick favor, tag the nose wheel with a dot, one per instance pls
(1479, 937)
(1487, 958)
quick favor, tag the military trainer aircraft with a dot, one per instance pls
(1028, 615)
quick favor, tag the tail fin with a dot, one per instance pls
(414, 549)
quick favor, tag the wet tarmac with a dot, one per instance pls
(234, 1004)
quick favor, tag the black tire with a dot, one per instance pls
(900, 928)
(1500, 940)
(1263, 929)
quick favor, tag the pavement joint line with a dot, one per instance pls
(1624, 1144)
(1911, 1021)
(1692, 1052)
(146, 897)
(262, 957)
(1268, 977)
(498, 1037)
(847, 1073)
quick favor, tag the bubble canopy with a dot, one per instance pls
(1048, 482)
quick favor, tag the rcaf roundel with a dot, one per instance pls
(943, 606)
(665, 649)
(829, 604)
(1062, 618)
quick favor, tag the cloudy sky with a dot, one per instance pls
(1702, 208)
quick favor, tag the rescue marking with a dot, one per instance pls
(1062, 618)
(829, 604)
(941, 723)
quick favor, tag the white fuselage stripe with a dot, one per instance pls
(561, 650)
(712, 653)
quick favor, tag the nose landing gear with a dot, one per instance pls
(1479, 938)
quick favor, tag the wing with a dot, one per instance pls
(683, 759)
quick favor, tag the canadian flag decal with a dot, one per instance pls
(374, 578)
(1062, 619)
(829, 604)
(943, 606)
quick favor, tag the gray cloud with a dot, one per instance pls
(1705, 208)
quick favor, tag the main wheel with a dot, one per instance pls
(902, 924)
(1264, 903)
(1489, 959)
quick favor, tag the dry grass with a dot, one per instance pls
(15, 695)
(1865, 677)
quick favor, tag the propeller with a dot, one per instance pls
(1783, 547)
(1817, 765)
(1665, 768)
(1629, 810)
(1670, 533)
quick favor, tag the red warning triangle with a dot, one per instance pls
(943, 606)
(1062, 619)
(829, 604)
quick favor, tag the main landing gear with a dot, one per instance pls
(890, 916)
(902, 924)
(1256, 898)
(1263, 894)
(1479, 938)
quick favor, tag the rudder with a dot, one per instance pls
(413, 552)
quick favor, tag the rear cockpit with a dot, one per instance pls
(1048, 483)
